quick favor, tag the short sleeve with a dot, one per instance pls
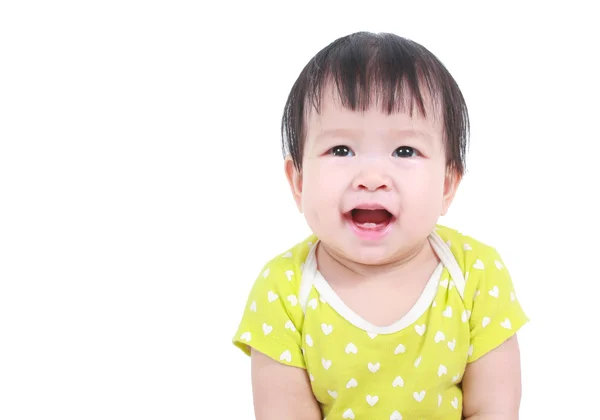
(272, 320)
(495, 312)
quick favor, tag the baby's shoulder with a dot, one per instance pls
(286, 267)
(481, 264)
(466, 249)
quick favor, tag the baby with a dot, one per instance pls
(382, 313)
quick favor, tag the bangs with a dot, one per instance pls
(391, 73)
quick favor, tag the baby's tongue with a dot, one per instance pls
(370, 216)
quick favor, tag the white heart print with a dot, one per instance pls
(499, 265)
(333, 394)
(448, 312)
(439, 400)
(290, 326)
(272, 296)
(467, 247)
(351, 348)
(348, 414)
(478, 265)
(309, 340)
(439, 336)
(327, 329)
(419, 395)
(454, 403)
(396, 416)
(372, 335)
(400, 349)
(293, 300)
(420, 329)
(442, 370)
(267, 329)
(494, 292)
(246, 336)
(289, 274)
(312, 303)
(265, 273)
(286, 355)
(372, 400)
(444, 283)
(374, 367)
(352, 383)
(506, 324)
(326, 363)
(253, 306)
(485, 321)
(398, 382)
(287, 255)
(452, 344)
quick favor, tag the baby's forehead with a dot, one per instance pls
(333, 113)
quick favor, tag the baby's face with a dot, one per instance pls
(372, 185)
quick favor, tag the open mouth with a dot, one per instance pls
(370, 219)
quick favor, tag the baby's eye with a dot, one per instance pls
(405, 152)
(341, 151)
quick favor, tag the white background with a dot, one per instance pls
(142, 189)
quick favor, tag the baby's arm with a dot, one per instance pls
(492, 384)
(271, 333)
(281, 391)
(492, 379)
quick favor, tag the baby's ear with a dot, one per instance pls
(294, 178)
(451, 184)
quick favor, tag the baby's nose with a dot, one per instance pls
(372, 180)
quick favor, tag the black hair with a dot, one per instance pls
(384, 68)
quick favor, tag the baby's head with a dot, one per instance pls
(375, 134)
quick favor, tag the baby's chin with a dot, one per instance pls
(367, 255)
(373, 257)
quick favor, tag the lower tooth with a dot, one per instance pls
(369, 225)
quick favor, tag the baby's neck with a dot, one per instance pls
(420, 257)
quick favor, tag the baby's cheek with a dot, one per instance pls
(322, 191)
(427, 193)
